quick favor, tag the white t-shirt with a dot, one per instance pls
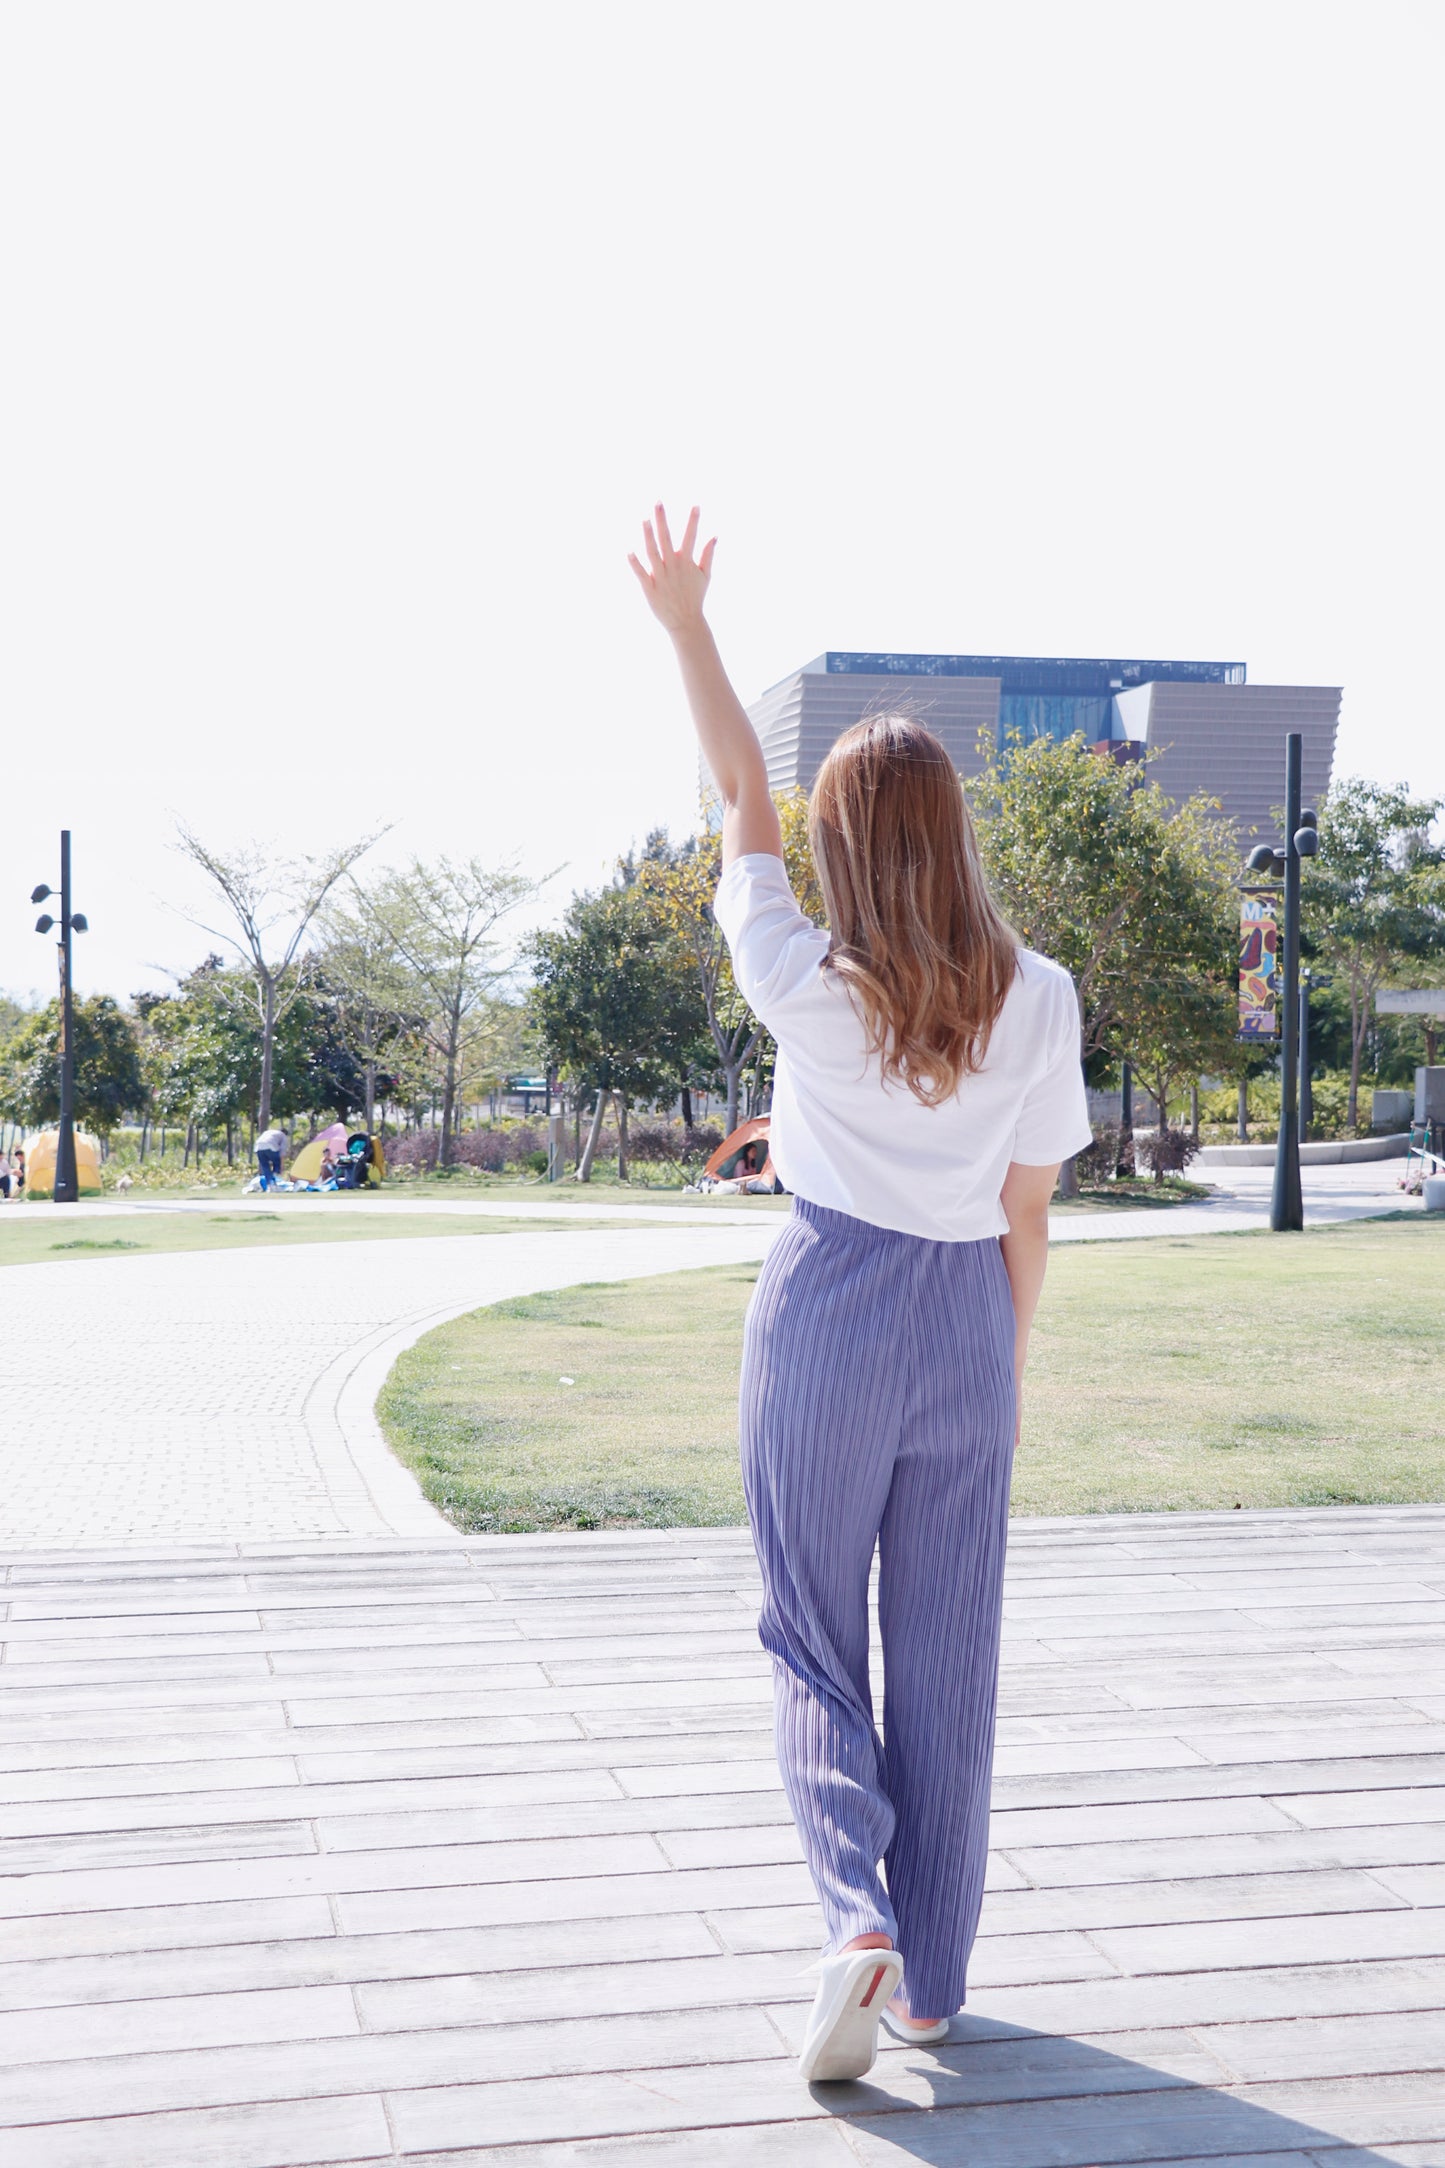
(844, 1138)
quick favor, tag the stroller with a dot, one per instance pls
(361, 1166)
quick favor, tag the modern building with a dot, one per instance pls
(1204, 726)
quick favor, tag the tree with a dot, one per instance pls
(271, 906)
(684, 880)
(374, 1002)
(1373, 900)
(1188, 1025)
(1132, 895)
(614, 1002)
(109, 1081)
(201, 1048)
(441, 924)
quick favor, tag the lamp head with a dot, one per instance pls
(79, 923)
(38, 895)
(44, 923)
(1261, 858)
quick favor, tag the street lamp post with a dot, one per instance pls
(67, 1184)
(1282, 860)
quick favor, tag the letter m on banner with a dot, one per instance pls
(1258, 969)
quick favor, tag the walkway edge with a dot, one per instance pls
(362, 1474)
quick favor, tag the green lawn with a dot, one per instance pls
(31, 1237)
(1171, 1373)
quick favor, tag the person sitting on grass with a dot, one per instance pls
(927, 1088)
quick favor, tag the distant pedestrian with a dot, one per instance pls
(17, 1164)
(5, 1176)
(270, 1149)
(927, 1087)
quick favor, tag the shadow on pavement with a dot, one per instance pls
(1000, 2096)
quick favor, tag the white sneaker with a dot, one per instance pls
(842, 2036)
(919, 2035)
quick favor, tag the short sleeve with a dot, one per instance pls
(1053, 1122)
(776, 949)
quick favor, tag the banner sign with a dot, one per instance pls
(1258, 969)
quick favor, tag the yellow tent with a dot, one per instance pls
(40, 1163)
(306, 1166)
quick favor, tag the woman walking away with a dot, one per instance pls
(927, 1087)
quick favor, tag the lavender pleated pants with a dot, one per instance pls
(877, 1408)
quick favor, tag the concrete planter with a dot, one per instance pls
(1344, 1153)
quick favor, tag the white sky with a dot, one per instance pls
(346, 344)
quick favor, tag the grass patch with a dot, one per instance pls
(1136, 1190)
(645, 1435)
(117, 1244)
(27, 1239)
(1179, 1373)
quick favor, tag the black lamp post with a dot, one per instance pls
(1282, 860)
(67, 1185)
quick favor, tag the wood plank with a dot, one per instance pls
(512, 1806)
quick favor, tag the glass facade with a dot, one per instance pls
(1024, 716)
(1040, 696)
(1031, 673)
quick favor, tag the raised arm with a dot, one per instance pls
(675, 583)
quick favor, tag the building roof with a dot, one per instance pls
(1028, 673)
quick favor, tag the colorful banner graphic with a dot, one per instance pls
(1258, 969)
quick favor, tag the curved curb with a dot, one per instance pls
(1345, 1152)
(374, 1493)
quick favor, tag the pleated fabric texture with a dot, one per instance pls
(877, 1409)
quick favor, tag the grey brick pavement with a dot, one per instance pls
(228, 1393)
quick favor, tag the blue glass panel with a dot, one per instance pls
(1035, 673)
(1025, 716)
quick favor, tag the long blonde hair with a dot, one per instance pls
(917, 937)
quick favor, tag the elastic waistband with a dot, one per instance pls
(831, 1222)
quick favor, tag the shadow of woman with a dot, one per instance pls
(1001, 2096)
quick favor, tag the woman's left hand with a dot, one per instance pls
(677, 582)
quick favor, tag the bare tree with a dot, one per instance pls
(371, 992)
(441, 922)
(270, 906)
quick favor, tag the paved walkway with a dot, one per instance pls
(331, 1836)
(1241, 1201)
(475, 1857)
(229, 1393)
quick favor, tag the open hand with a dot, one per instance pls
(677, 582)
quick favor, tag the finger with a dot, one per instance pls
(644, 577)
(689, 535)
(663, 536)
(705, 561)
(654, 554)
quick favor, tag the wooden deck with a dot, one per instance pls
(376, 1852)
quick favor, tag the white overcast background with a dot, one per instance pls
(345, 345)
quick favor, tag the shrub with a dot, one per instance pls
(1330, 1095)
(1098, 1162)
(1165, 1151)
(653, 1144)
(669, 1144)
(485, 1151)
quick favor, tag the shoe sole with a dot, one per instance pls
(842, 2040)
